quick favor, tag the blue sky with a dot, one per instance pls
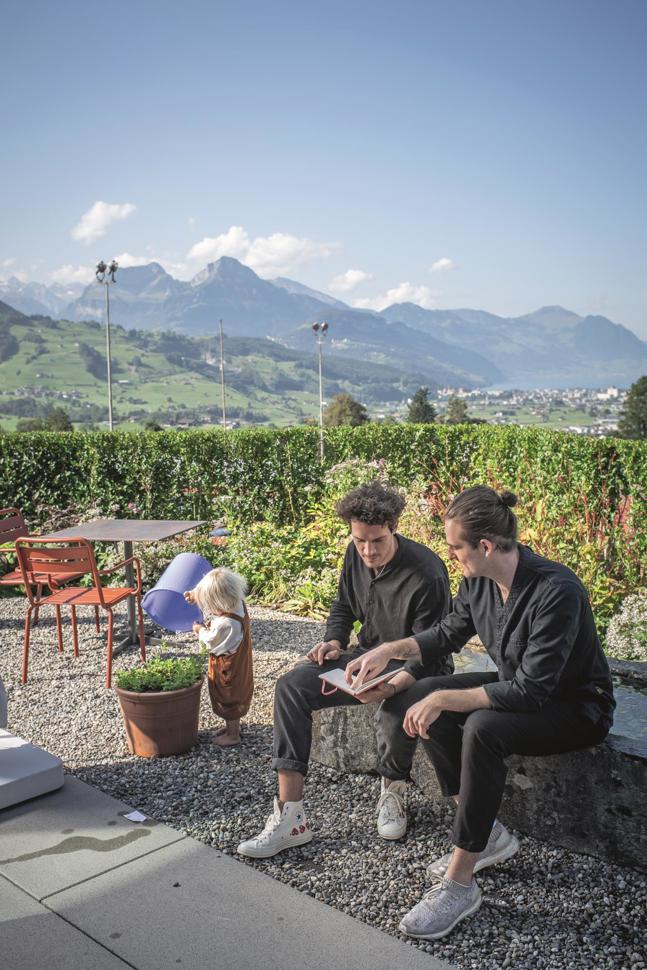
(484, 153)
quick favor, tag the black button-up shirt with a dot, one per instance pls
(409, 595)
(542, 639)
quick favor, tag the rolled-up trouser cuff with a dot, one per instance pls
(286, 764)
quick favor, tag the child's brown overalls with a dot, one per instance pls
(231, 675)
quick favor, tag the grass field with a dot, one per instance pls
(49, 369)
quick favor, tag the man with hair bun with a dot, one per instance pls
(395, 587)
(551, 692)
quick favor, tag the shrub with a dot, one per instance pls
(627, 636)
(159, 674)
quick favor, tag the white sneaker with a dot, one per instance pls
(501, 845)
(283, 829)
(391, 811)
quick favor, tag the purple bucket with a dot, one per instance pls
(165, 603)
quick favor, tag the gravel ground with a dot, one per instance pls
(546, 908)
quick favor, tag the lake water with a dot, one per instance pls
(630, 717)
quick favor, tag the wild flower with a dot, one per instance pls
(627, 633)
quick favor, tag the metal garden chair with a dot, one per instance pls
(55, 563)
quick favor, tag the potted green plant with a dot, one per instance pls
(160, 705)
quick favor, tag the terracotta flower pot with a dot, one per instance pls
(161, 723)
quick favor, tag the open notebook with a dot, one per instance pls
(337, 680)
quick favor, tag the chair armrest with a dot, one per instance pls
(125, 562)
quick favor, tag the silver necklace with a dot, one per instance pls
(381, 570)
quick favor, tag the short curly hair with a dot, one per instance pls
(372, 504)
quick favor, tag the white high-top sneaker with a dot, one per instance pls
(283, 829)
(391, 811)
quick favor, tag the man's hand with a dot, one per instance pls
(377, 694)
(370, 665)
(421, 715)
(324, 651)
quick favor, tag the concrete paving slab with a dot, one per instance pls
(186, 905)
(68, 836)
(33, 938)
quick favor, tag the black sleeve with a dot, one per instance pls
(450, 634)
(432, 603)
(552, 635)
(340, 618)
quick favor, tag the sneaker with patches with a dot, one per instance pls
(440, 909)
(391, 811)
(501, 845)
(284, 828)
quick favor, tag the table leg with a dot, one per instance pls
(133, 630)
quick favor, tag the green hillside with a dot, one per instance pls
(171, 378)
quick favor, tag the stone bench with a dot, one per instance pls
(26, 770)
(592, 801)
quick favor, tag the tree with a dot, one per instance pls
(633, 417)
(456, 411)
(344, 409)
(151, 425)
(57, 419)
(421, 410)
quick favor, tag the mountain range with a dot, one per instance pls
(551, 347)
(173, 378)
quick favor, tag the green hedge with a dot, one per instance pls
(275, 476)
(582, 500)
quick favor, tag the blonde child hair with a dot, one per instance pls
(220, 591)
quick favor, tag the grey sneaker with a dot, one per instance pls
(440, 909)
(391, 811)
(501, 845)
(283, 829)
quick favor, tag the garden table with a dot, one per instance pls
(127, 531)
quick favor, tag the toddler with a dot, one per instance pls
(220, 596)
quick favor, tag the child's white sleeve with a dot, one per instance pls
(223, 635)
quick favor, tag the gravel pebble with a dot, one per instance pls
(546, 908)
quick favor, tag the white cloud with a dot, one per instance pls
(404, 293)
(442, 264)
(178, 270)
(68, 274)
(266, 255)
(94, 223)
(127, 259)
(8, 270)
(349, 280)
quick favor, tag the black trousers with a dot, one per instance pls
(296, 696)
(468, 750)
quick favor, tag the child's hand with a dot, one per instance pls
(197, 627)
(189, 597)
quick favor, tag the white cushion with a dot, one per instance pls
(26, 770)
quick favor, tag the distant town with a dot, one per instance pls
(586, 411)
(580, 410)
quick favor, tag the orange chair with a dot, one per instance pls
(54, 563)
(12, 527)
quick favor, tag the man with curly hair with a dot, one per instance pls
(394, 587)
